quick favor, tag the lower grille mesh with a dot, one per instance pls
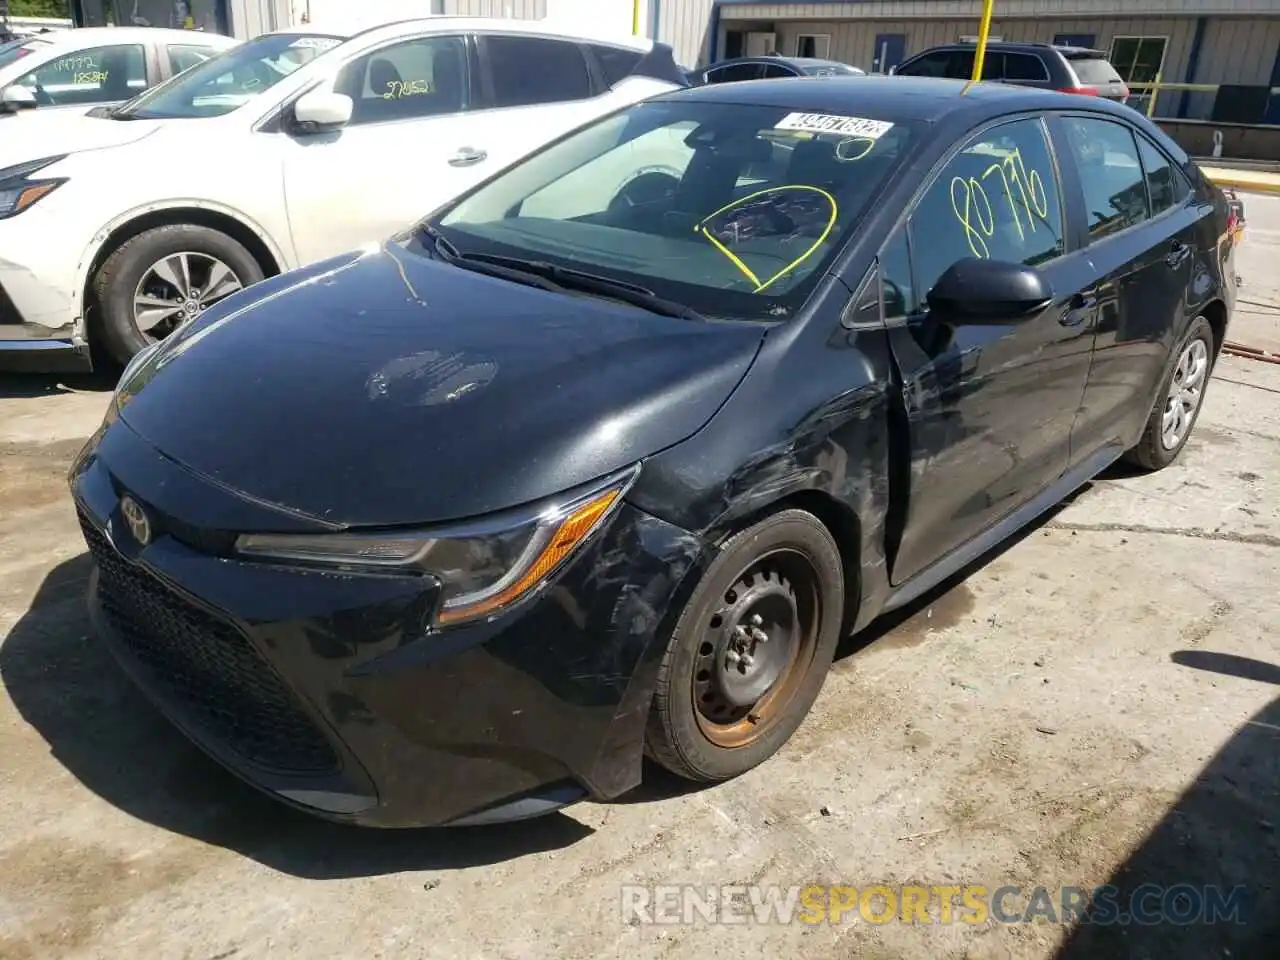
(208, 668)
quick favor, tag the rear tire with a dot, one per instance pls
(750, 651)
(137, 270)
(1179, 400)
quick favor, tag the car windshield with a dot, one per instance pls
(735, 211)
(230, 80)
(15, 50)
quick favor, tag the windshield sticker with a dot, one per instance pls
(314, 43)
(846, 126)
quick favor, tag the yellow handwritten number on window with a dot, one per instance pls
(1023, 191)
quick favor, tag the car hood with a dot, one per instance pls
(33, 133)
(387, 388)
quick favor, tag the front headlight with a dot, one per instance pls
(484, 568)
(19, 190)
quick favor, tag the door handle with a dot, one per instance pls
(1178, 253)
(466, 157)
(1078, 308)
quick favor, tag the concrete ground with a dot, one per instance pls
(1098, 702)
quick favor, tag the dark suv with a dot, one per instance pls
(1044, 65)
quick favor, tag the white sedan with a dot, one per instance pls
(288, 149)
(90, 67)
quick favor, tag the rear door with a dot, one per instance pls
(989, 408)
(533, 89)
(1134, 209)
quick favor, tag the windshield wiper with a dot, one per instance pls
(631, 293)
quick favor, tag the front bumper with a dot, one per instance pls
(40, 323)
(328, 691)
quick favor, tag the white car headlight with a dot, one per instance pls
(484, 567)
(19, 190)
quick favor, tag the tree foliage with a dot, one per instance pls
(39, 8)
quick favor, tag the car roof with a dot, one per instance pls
(81, 37)
(379, 27)
(1020, 46)
(904, 98)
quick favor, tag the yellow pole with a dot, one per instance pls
(980, 54)
(1151, 104)
(635, 18)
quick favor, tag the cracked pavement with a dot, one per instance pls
(1096, 701)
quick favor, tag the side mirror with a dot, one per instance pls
(17, 97)
(990, 291)
(320, 110)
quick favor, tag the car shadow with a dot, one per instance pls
(1220, 837)
(106, 734)
(24, 385)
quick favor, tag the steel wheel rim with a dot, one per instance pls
(1186, 391)
(776, 595)
(179, 287)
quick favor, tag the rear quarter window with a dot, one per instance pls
(616, 63)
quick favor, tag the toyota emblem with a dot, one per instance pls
(136, 517)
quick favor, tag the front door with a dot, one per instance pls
(408, 147)
(989, 407)
(890, 50)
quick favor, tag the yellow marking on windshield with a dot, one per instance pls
(737, 261)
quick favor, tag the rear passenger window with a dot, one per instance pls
(775, 72)
(1115, 194)
(1023, 66)
(932, 65)
(1163, 182)
(616, 63)
(534, 70)
(736, 73)
(996, 199)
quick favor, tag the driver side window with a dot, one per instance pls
(426, 77)
(97, 75)
(996, 199)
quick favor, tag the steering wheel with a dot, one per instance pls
(653, 186)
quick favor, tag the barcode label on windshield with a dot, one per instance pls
(844, 126)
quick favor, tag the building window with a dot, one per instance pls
(1138, 59)
(815, 45)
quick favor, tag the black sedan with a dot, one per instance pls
(603, 458)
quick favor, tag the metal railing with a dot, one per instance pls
(1159, 86)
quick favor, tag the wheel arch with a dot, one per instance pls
(1215, 311)
(840, 520)
(240, 228)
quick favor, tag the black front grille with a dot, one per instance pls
(206, 668)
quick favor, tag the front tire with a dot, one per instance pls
(1179, 401)
(750, 651)
(163, 277)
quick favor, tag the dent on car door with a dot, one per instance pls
(1140, 221)
(988, 405)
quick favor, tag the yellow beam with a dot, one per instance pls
(635, 18)
(980, 55)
